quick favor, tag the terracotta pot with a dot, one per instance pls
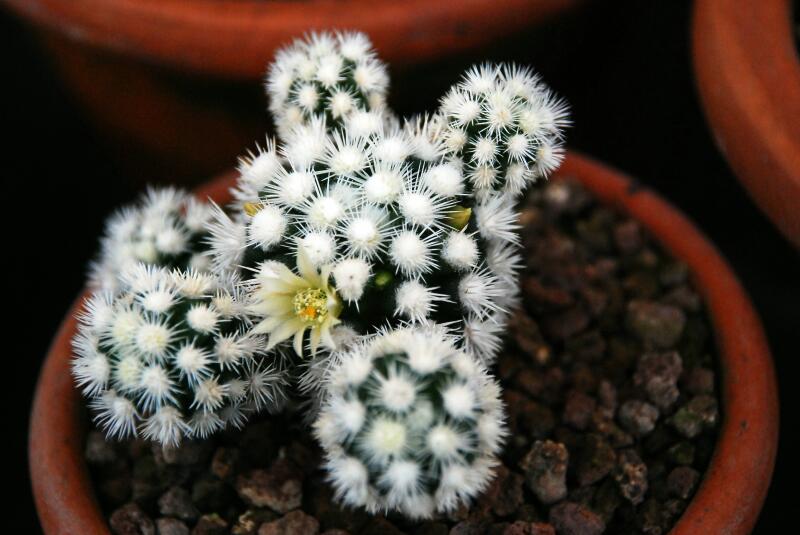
(734, 486)
(748, 74)
(167, 79)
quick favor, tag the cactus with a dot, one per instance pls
(384, 225)
(410, 423)
(385, 251)
(170, 356)
(505, 126)
(166, 227)
(330, 76)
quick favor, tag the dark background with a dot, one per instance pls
(624, 67)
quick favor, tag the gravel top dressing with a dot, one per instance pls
(609, 384)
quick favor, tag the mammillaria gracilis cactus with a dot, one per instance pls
(410, 423)
(166, 227)
(170, 356)
(387, 211)
(368, 260)
(326, 76)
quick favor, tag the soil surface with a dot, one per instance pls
(609, 381)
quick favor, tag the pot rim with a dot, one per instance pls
(235, 39)
(748, 77)
(733, 488)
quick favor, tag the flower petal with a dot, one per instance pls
(316, 334)
(298, 343)
(267, 325)
(280, 286)
(325, 275)
(334, 305)
(281, 275)
(284, 331)
(307, 269)
(278, 305)
(327, 339)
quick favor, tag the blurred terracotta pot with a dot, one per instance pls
(748, 74)
(175, 83)
(734, 486)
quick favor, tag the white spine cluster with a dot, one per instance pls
(165, 227)
(505, 126)
(410, 423)
(170, 355)
(331, 76)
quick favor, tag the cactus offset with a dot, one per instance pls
(410, 423)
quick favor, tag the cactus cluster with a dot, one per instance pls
(367, 263)
(165, 227)
(332, 77)
(412, 225)
(388, 227)
(506, 126)
(171, 355)
(411, 423)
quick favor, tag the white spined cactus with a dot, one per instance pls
(170, 355)
(166, 227)
(410, 423)
(392, 218)
(506, 127)
(371, 224)
(328, 76)
(386, 252)
(393, 223)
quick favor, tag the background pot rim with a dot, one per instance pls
(236, 39)
(733, 488)
(747, 68)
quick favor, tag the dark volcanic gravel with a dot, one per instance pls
(610, 389)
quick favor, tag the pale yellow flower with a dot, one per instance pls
(291, 303)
